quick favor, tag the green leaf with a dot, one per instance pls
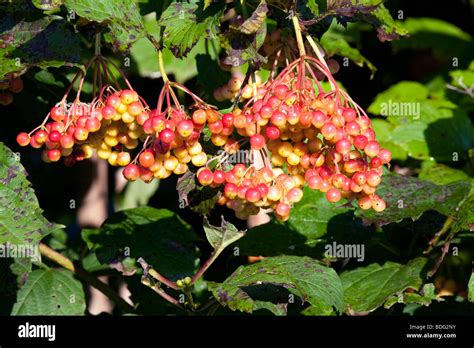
(163, 239)
(441, 174)
(444, 38)
(334, 43)
(50, 292)
(421, 120)
(402, 92)
(221, 237)
(366, 288)
(465, 216)
(21, 267)
(409, 197)
(122, 16)
(384, 131)
(372, 11)
(313, 223)
(21, 219)
(302, 276)
(47, 5)
(471, 288)
(44, 76)
(58, 44)
(424, 298)
(186, 23)
(463, 77)
(144, 54)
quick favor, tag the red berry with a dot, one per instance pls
(216, 127)
(205, 176)
(108, 112)
(57, 114)
(282, 209)
(219, 177)
(167, 136)
(54, 155)
(266, 111)
(333, 195)
(23, 139)
(228, 120)
(54, 136)
(318, 119)
(372, 148)
(281, 91)
(67, 141)
(131, 172)
(272, 132)
(385, 155)
(349, 114)
(343, 146)
(257, 141)
(360, 142)
(252, 195)
(199, 116)
(185, 128)
(230, 190)
(146, 158)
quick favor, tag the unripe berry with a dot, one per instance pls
(365, 202)
(378, 204)
(199, 160)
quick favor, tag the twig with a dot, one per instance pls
(149, 270)
(155, 287)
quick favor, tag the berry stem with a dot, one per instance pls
(151, 271)
(299, 37)
(162, 66)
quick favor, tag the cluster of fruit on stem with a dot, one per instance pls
(306, 136)
(108, 124)
(303, 135)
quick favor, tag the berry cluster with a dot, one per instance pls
(11, 84)
(173, 136)
(110, 124)
(107, 125)
(302, 135)
(322, 139)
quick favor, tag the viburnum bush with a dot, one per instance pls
(257, 133)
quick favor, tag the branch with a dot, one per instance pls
(89, 278)
(149, 270)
